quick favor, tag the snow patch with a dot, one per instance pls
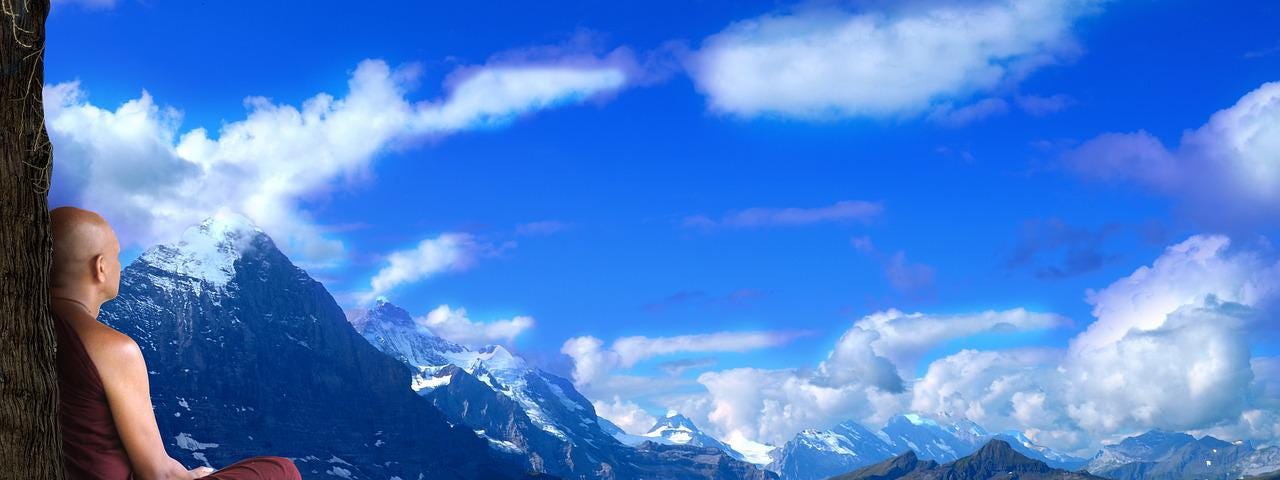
(185, 442)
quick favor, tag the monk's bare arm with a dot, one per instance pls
(124, 376)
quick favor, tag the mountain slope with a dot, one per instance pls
(1160, 455)
(249, 355)
(995, 460)
(676, 429)
(817, 454)
(530, 414)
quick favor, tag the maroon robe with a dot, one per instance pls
(91, 445)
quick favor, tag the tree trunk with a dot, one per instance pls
(30, 442)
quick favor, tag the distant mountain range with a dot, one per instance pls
(1161, 455)
(997, 460)
(818, 454)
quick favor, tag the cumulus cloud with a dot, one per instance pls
(832, 63)
(135, 166)
(1169, 349)
(1226, 172)
(432, 256)
(1187, 273)
(842, 211)
(454, 324)
(626, 414)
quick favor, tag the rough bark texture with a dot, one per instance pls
(30, 443)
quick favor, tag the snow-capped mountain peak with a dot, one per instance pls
(496, 358)
(675, 428)
(207, 251)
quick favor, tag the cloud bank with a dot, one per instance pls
(1169, 347)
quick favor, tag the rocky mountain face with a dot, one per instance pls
(1160, 455)
(677, 429)
(532, 415)
(248, 355)
(995, 460)
(816, 454)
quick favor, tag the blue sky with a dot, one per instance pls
(1003, 209)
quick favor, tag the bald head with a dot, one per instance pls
(86, 253)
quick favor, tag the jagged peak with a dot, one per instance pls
(672, 421)
(497, 358)
(207, 251)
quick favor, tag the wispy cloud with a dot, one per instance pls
(757, 217)
(1081, 249)
(903, 275)
(430, 257)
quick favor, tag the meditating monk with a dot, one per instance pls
(109, 430)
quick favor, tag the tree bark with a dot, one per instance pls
(30, 442)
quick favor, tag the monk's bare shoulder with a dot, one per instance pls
(114, 353)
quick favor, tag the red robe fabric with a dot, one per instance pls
(91, 446)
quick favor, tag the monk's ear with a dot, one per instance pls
(100, 268)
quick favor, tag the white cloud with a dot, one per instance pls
(842, 211)
(1226, 172)
(904, 338)
(134, 166)
(1185, 274)
(454, 324)
(831, 63)
(593, 362)
(626, 414)
(447, 252)
(1001, 390)
(1191, 372)
(773, 405)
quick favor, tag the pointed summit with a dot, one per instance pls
(673, 424)
(384, 314)
(208, 251)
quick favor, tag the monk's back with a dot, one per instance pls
(90, 442)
